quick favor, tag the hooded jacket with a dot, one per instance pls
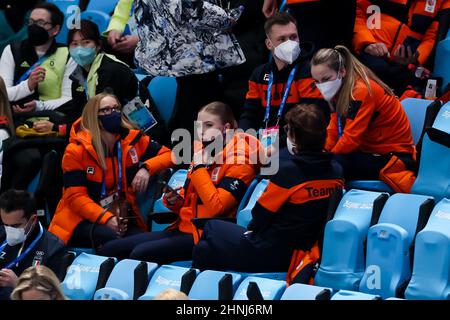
(83, 177)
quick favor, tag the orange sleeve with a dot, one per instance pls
(253, 92)
(429, 40)
(362, 36)
(163, 160)
(274, 197)
(355, 128)
(77, 197)
(332, 133)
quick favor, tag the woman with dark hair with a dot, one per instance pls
(96, 71)
(290, 214)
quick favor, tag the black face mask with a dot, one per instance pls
(37, 35)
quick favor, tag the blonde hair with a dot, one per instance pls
(341, 58)
(39, 278)
(171, 294)
(5, 108)
(223, 111)
(90, 123)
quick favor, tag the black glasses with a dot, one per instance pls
(40, 22)
(108, 110)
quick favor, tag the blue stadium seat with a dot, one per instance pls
(247, 194)
(100, 18)
(64, 6)
(166, 276)
(389, 250)
(415, 110)
(352, 295)
(433, 178)
(300, 291)
(343, 253)
(268, 275)
(442, 62)
(105, 6)
(431, 271)
(270, 289)
(124, 278)
(163, 91)
(245, 215)
(206, 285)
(85, 275)
(370, 185)
(184, 264)
(176, 180)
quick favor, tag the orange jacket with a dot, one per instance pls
(216, 191)
(375, 123)
(408, 22)
(83, 178)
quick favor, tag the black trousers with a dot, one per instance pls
(361, 166)
(225, 246)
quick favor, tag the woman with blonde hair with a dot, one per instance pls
(6, 121)
(369, 125)
(38, 283)
(105, 165)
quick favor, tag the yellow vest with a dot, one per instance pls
(54, 66)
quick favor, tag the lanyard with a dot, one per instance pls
(339, 124)
(285, 95)
(28, 72)
(119, 182)
(32, 245)
(86, 89)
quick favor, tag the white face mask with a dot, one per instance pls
(287, 51)
(290, 145)
(330, 88)
(15, 235)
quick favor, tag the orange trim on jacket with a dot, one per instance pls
(83, 177)
(376, 123)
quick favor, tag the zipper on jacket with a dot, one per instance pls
(396, 37)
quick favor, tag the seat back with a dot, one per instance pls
(389, 244)
(300, 291)
(343, 253)
(100, 18)
(123, 277)
(206, 285)
(163, 91)
(166, 276)
(105, 6)
(244, 216)
(433, 178)
(415, 109)
(69, 8)
(85, 275)
(431, 271)
(442, 62)
(353, 295)
(270, 289)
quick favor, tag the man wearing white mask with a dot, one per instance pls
(23, 240)
(275, 87)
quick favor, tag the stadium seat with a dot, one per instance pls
(166, 276)
(100, 18)
(370, 185)
(415, 110)
(64, 6)
(105, 6)
(184, 264)
(267, 275)
(389, 244)
(431, 271)
(299, 291)
(343, 253)
(245, 215)
(215, 285)
(85, 275)
(442, 62)
(352, 295)
(433, 178)
(163, 91)
(269, 289)
(247, 194)
(130, 278)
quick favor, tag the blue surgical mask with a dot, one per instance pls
(83, 56)
(111, 122)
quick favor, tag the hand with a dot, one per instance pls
(140, 181)
(113, 224)
(8, 278)
(405, 56)
(27, 107)
(127, 44)
(123, 227)
(269, 8)
(377, 50)
(43, 126)
(113, 37)
(36, 76)
(173, 198)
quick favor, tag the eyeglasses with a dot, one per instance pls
(40, 22)
(108, 110)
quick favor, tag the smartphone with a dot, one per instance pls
(167, 188)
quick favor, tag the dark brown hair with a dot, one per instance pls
(56, 15)
(223, 111)
(280, 18)
(88, 30)
(308, 126)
